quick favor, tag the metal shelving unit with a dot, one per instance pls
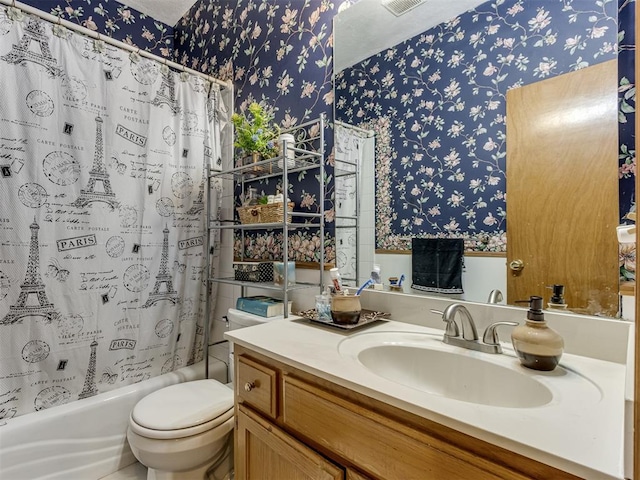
(308, 151)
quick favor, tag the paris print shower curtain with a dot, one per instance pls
(102, 196)
(349, 151)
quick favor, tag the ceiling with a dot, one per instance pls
(167, 11)
(367, 27)
(362, 30)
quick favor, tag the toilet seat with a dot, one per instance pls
(183, 432)
(182, 410)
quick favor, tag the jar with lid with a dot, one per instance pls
(251, 197)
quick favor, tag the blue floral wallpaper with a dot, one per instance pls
(627, 120)
(439, 101)
(627, 102)
(278, 53)
(115, 20)
(441, 155)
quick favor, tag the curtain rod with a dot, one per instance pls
(370, 133)
(111, 41)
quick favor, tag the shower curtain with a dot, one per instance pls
(349, 147)
(103, 158)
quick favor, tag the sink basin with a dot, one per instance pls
(422, 362)
(455, 376)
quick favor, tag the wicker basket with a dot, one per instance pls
(274, 212)
(251, 214)
(269, 213)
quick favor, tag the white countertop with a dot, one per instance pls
(584, 438)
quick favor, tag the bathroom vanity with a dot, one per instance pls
(307, 407)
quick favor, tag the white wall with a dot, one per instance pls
(479, 277)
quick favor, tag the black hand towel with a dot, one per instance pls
(437, 264)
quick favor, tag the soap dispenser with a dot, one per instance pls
(557, 298)
(538, 346)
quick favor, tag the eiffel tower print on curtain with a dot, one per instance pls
(163, 278)
(166, 94)
(90, 389)
(197, 348)
(98, 173)
(198, 203)
(22, 53)
(32, 287)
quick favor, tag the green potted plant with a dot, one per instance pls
(255, 134)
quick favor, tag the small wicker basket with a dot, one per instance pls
(274, 212)
(269, 213)
(250, 214)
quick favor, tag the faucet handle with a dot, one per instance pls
(452, 327)
(490, 336)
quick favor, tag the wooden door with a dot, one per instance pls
(562, 189)
(264, 452)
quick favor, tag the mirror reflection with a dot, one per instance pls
(437, 101)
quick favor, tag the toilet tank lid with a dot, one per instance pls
(183, 405)
(240, 319)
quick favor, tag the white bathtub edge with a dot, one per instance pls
(85, 439)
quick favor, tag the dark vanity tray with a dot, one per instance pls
(366, 317)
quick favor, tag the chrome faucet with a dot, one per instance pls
(468, 326)
(495, 296)
(469, 337)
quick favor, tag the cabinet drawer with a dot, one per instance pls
(382, 447)
(256, 386)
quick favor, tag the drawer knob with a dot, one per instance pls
(249, 386)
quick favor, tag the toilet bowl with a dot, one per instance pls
(182, 431)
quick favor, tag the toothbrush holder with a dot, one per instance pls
(345, 309)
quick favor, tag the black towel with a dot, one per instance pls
(437, 264)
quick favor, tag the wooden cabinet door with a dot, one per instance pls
(264, 452)
(355, 475)
(384, 448)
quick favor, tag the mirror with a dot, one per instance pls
(440, 82)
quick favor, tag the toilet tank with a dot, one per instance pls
(239, 319)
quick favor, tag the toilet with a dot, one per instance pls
(185, 431)
(181, 431)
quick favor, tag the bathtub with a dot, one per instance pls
(86, 439)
